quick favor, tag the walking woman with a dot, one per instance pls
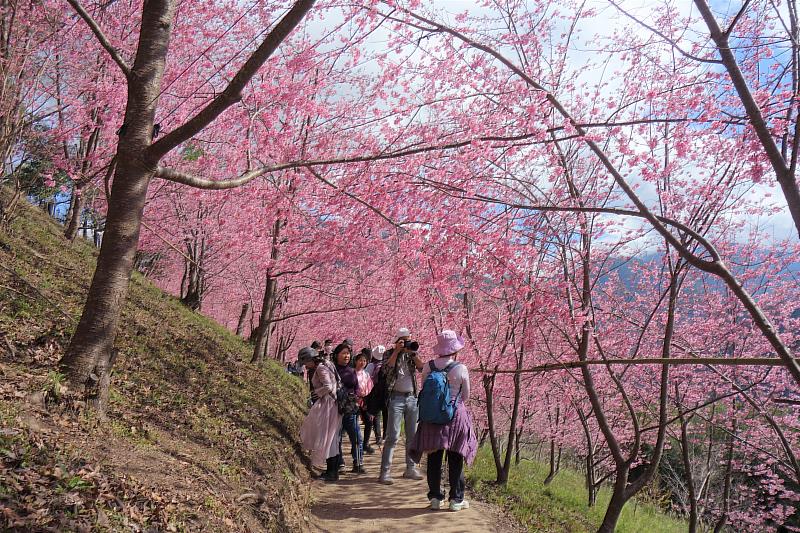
(457, 437)
(349, 380)
(320, 430)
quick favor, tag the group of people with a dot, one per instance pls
(385, 389)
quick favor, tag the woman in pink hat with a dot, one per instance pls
(457, 436)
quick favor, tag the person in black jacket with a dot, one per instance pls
(350, 425)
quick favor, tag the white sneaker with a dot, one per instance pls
(458, 506)
(436, 504)
(413, 473)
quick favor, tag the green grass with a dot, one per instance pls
(562, 505)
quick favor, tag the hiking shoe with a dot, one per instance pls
(436, 504)
(330, 477)
(369, 449)
(385, 479)
(413, 473)
(458, 506)
(358, 469)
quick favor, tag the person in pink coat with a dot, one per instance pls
(364, 388)
(320, 430)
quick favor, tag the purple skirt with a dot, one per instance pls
(457, 436)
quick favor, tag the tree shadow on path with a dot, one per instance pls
(358, 503)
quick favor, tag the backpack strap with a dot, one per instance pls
(446, 370)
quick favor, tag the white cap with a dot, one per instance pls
(403, 332)
(378, 351)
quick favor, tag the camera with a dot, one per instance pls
(411, 346)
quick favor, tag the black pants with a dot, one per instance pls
(382, 416)
(369, 423)
(455, 468)
(375, 425)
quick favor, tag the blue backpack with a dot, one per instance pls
(435, 404)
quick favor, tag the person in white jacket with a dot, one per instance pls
(320, 430)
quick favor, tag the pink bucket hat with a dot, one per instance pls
(448, 343)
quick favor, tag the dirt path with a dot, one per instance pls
(358, 503)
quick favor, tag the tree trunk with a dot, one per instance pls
(49, 206)
(517, 457)
(488, 387)
(99, 397)
(8, 209)
(689, 476)
(591, 487)
(242, 319)
(89, 351)
(484, 434)
(264, 331)
(193, 289)
(617, 503)
(68, 216)
(555, 463)
(726, 492)
(90, 348)
(503, 473)
(193, 282)
(74, 219)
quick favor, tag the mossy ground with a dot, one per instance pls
(561, 506)
(196, 439)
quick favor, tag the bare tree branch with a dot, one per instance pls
(98, 33)
(199, 182)
(784, 173)
(672, 43)
(736, 18)
(724, 361)
(611, 211)
(233, 92)
(353, 197)
(319, 311)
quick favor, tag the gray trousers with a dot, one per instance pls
(401, 409)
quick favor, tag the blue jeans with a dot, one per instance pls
(401, 407)
(351, 427)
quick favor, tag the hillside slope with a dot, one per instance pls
(197, 439)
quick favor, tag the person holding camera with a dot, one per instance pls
(320, 430)
(401, 366)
